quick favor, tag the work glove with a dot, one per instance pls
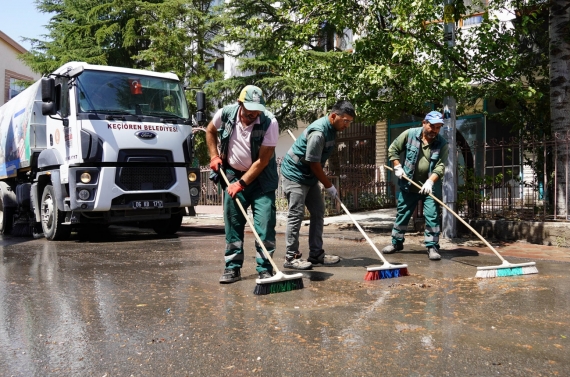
(234, 188)
(427, 187)
(331, 191)
(215, 163)
(399, 171)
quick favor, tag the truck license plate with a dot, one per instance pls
(147, 204)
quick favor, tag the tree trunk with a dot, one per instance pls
(559, 29)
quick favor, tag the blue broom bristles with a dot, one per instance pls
(509, 271)
(278, 287)
(386, 274)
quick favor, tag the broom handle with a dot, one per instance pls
(362, 231)
(353, 220)
(265, 252)
(457, 216)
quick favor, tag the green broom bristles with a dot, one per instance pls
(278, 287)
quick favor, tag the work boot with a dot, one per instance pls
(297, 263)
(265, 274)
(323, 258)
(231, 275)
(391, 249)
(433, 254)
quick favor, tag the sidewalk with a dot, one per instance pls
(378, 226)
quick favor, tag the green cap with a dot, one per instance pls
(252, 98)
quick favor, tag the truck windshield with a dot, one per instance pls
(122, 93)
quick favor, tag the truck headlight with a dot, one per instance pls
(192, 177)
(85, 178)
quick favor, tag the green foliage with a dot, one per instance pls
(105, 32)
(387, 57)
(514, 68)
(162, 35)
(397, 63)
(181, 35)
(24, 83)
(201, 148)
(368, 200)
(471, 193)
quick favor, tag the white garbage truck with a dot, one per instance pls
(89, 146)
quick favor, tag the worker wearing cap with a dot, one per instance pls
(248, 136)
(425, 152)
(302, 170)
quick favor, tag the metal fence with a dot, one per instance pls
(513, 180)
(359, 187)
(500, 179)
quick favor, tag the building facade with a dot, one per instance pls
(12, 70)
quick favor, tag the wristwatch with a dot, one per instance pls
(242, 183)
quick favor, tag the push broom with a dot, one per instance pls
(386, 270)
(279, 282)
(504, 269)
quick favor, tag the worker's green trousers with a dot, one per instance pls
(407, 202)
(264, 220)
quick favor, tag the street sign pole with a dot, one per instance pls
(449, 222)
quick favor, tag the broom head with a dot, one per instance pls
(278, 283)
(386, 271)
(506, 269)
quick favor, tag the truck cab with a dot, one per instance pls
(113, 145)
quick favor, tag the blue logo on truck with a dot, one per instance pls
(145, 134)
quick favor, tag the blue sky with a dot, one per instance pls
(20, 18)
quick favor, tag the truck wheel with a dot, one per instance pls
(170, 226)
(52, 217)
(6, 218)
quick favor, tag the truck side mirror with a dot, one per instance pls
(200, 101)
(49, 108)
(51, 95)
(48, 89)
(200, 107)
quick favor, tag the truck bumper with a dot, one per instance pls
(125, 189)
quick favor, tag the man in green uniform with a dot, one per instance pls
(424, 153)
(248, 136)
(302, 170)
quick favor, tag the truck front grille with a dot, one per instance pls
(150, 170)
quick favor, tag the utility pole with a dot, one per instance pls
(449, 222)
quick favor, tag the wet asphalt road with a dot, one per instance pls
(130, 303)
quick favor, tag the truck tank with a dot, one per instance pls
(22, 133)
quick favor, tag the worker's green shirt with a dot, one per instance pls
(398, 147)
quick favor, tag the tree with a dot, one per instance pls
(105, 32)
(559, 54)
(162, 35)
(182, 37)
(397, 63)
(514, 62)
